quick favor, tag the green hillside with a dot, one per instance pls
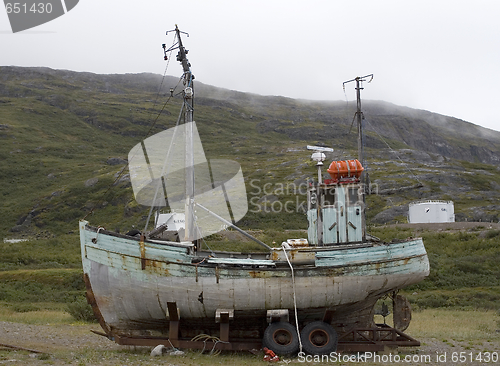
(66, 135)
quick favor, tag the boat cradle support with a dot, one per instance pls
(372, 339)
(379, 338)
(222, 316)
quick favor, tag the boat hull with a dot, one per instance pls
(130, 283)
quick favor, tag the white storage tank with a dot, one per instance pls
(431, 211)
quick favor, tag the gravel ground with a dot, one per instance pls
(76, 345)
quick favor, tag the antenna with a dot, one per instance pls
(319, 148)
(358, 113)
(319, 157)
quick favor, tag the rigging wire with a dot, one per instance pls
(160, 87)
(165, 166)
(347, 110)
(395, 153)
(121, 172)
(204, 242)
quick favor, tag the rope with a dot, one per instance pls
(294, 298)
(171, 345)
(205, 338)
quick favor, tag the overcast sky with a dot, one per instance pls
(437, 55)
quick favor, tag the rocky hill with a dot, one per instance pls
(65, 137)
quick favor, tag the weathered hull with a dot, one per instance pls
(132, 283)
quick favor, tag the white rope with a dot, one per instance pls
(294, 298)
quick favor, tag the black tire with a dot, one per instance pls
(282, 338)
(319, 338)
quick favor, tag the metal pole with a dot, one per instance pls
(361, 154)
(189, 158)
(234, 226)
(319, 213)
(359, 118)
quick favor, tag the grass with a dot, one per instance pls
(35, 316)
(458, 259)
(442, 324)
(474, 326)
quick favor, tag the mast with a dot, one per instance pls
(359, 118)
(359, 121)
(359, 115)
(188, 96)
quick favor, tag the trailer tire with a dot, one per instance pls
(282, 338)
(319, 338)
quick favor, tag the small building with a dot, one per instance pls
(431, 211)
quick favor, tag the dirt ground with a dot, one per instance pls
(76, 345)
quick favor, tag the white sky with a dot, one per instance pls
(437, 55)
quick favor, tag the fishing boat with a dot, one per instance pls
(304, 294)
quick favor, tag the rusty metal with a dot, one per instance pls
(374, 339)
(356, 340)
(277, 315)
(328, 316)
(371, 339)
(295, 255)
(143, 252)
(224, 327)
(173, 315)
(89, 294)
(401, 310)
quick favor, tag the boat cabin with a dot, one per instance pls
(335, 207)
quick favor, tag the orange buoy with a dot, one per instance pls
(345, 169)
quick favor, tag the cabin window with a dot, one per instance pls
(353, 193)
(329, 197)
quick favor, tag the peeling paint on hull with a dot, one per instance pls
(131, 286)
